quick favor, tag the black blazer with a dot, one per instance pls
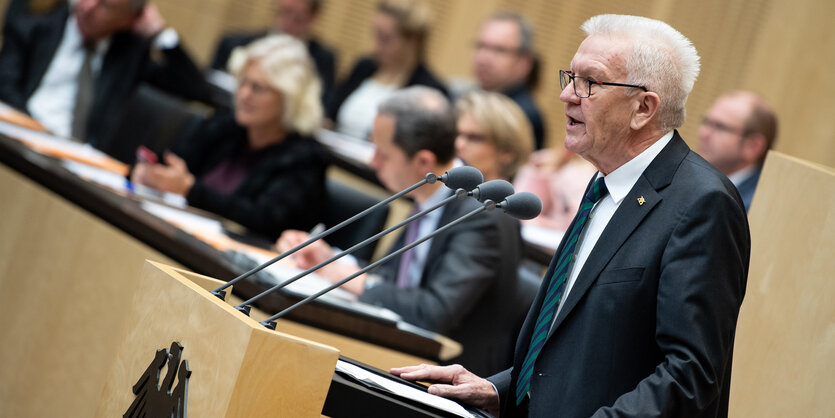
(29, 44)
(466, 286)
(364, 69)
(285, 190)
(323, 57)
(648, 327)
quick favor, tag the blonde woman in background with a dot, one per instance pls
(401, 30)
(494, 135)
(257, 166)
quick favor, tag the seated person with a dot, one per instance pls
(401, 28)
(260, 167)
(505, 61)
(735, 136)
(459, 282)
(295, 18)
(74, 67)
(559, 177)
(494, 135)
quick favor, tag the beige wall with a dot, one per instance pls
(783, 50)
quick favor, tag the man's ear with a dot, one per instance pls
(753, 147)
(425, 161)
(646, 109)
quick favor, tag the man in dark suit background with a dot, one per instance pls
(458, 283)
(295, 18)
(637, 312)
(735, 136)
(75, 67)
(505, 62)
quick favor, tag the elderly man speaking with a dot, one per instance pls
(637, 312)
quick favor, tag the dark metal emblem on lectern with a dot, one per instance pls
(155, 399)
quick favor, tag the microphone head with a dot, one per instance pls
(495, 190)
(522, 205)
(464, 177)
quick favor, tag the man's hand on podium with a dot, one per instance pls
(454, 382)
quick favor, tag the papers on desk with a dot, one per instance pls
(401, 390)
(119, 183)
(306, 286)
(62, 148)
(347, 146)
(185, 220)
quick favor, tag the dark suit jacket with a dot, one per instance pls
(30, 43)
(364, 69)
(467, 284)
(648, 327)
(323, 57)
(749, 186)
(523, 97)
(283, 191)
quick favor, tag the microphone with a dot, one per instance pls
(495, 190)
(464, 177)
(522, 205)
(245, 305)
(515, 206)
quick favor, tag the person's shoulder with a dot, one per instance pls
(424, 76)
(318, 48)
(234, 39)
(301, 150)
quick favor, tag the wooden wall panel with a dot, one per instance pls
(783, 50)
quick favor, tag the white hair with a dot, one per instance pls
(662, 59)
(291, 71)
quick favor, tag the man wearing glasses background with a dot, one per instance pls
(637, 313)
(735, 136)
(505, 62)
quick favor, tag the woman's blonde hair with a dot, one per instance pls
(291, 71)
(504, 124)
(413, 18)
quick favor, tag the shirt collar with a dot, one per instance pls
(740, 176)
(441, 193)
(621, 181)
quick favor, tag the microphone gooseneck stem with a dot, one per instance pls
(488, 204)
(458, 194)
(430, 178)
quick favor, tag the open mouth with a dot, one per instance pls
(572, 121)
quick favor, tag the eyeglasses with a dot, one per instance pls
(582, 85)
(721, 127)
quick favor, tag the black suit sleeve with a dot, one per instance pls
(700, 290)
(177, 73)
(13, 66)
(453, 283)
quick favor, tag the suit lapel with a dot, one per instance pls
(628, 216)
(45, 41)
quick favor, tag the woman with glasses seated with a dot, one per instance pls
(257, 166)
(401, 28)
(494, 135)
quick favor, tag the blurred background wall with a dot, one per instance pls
(782, 50)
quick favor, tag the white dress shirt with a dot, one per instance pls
(740, 176)
(428, 224)
(53, 101)
(619, 183)
(357, 113)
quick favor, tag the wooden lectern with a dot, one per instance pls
(238, 367)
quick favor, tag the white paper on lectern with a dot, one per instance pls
(401, 390)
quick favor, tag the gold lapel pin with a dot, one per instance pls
(641, 201)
